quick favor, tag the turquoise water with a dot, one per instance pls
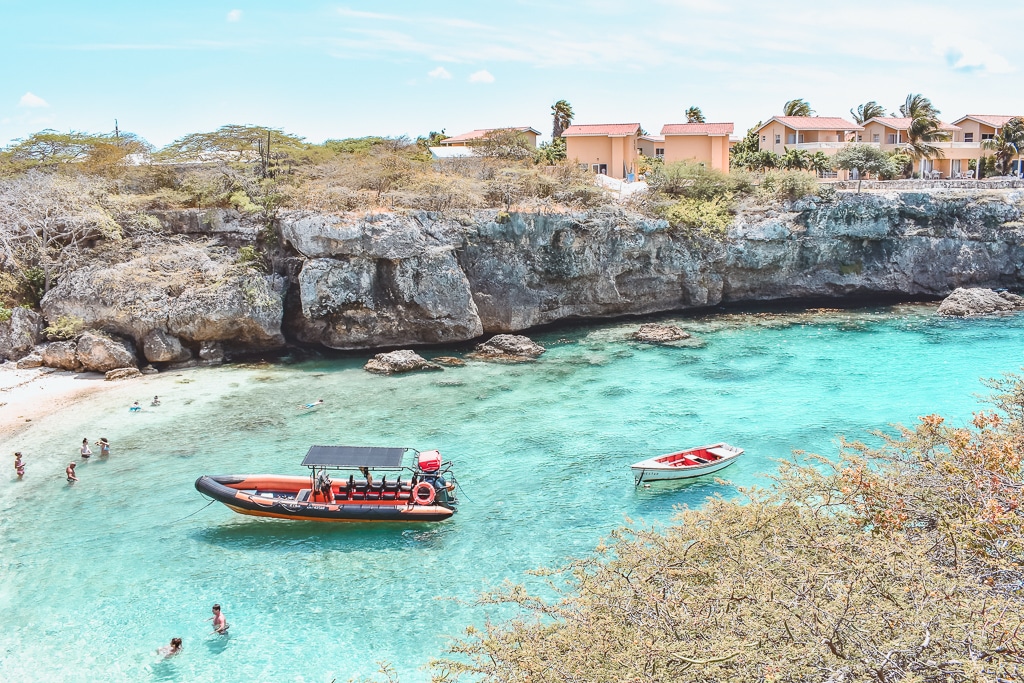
(95, 576)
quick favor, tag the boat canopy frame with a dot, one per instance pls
(355, 457)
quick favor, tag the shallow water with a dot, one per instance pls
(95, 576)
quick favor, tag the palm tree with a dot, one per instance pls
(797, 108)
(562, 118)
(695, 115)
(819, 163)
(796, 159)
(867, 111)
(1008, 144)
(923, 131)
(918, 105)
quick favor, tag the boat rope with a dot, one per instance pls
(462, 490)
(196, 512)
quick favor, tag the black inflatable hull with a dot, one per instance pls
(234, 491)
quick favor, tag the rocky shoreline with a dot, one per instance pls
(372, 281)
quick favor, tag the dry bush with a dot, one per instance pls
(898, 563)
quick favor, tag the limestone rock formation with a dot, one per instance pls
(61, 355)
(398, 361)
(32, 360)
(379, 281)
(190, 291)
(658, 333)
(160, 347)
(20, 333)
(122, 373)
(99, 353)
(211, 351)
(971, 301)
(514, 348)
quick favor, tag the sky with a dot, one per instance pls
(326, 70)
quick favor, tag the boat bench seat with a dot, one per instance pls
(302, 496)
(700, 460)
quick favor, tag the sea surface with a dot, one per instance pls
(95, 576)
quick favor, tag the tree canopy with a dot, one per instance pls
(561, 114)
(798, 107)
(867, 111)
(694, 115)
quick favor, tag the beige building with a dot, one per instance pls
(890, 134)
(466, 138)
(703, 143)
(608, 148)
(651, 146)
(811, 133)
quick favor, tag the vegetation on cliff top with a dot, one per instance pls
(898, 563)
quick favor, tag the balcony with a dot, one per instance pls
(812, 146)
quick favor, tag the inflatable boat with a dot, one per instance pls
(345, 484)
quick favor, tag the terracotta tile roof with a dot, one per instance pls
(815, 123)
(697, 129)
(903, 122)
(994, 120)
(480, 132)
(609, 129)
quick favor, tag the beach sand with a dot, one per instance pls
(31, 394)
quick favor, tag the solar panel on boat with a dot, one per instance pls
(353, 456)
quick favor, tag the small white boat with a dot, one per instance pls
(693, 462)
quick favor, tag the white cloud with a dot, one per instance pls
(235, 15)
(32, 101)
(440, 72)
(482, 76)
(972, 55)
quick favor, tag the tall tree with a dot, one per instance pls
(924, 130)
(561, 112)
(798, 107)
(796, 159)
(1008, 144)
(694, 115)
(866, 159)
(867, 111)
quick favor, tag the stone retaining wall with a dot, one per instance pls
(917, 185)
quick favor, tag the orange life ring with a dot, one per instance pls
(421, 488)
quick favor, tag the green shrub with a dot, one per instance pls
(63, 328)
(788, 185)
(699, 217)
(5, 313)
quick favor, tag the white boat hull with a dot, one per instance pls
(656, 473)
(666, 467)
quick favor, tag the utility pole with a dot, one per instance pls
(117, 132)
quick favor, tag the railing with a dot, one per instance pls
(828, 145)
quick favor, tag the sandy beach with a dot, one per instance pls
(30, 394)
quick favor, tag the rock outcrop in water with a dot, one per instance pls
(971, 301)
(510, 348)
(394, 362)
(657, 333)
(362, 281)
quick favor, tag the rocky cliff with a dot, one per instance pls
(389, 279)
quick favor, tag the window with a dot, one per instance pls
(987, 136)
(659, 152)
(791, 139)
(876, 137)
(764, 138)
(801, 138)
(860, 138)
(890, 139)
(968, 137)
(778, 139)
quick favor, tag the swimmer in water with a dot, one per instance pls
(170, 650)
(135, 407)
(70, 472)
(156, 401)
(220, 624)
(318, 402)
(84, 450)
(104, 446)
(19, 465)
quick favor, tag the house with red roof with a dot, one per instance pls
(826, 134)
(608, 148)
(465, 139)
(704, 143)
(890, 134)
